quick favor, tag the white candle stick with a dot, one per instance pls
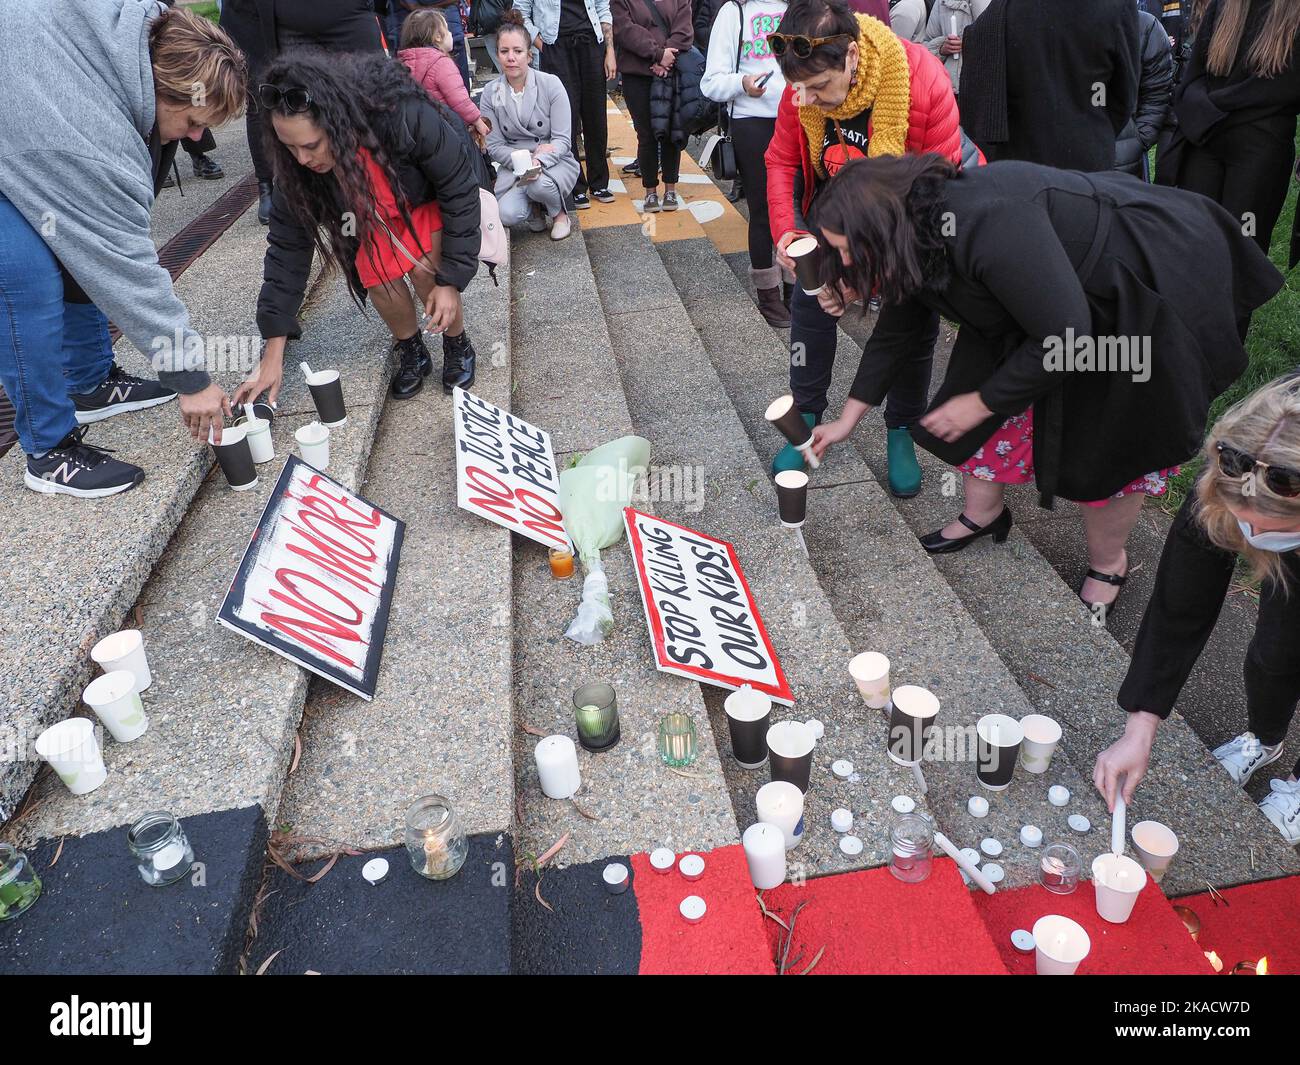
(967, 866)
(919, 777)
(1117, 820)
(802, 543)
(807, 452)
(306, 370)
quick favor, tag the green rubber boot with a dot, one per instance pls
(789, 457)
(904, 470)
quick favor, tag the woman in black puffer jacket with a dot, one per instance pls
(1155, 98)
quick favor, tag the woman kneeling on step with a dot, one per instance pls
(528, 111)
(1247, 502)
(380, 180)
(1083, 363)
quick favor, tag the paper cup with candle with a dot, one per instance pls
(235, 457)
(124, 650)
(790, 750)
(314, 443)
(780, 803)
(327, 393)
(765, 854)
(596, 710)
(73, 752)
(749, 715)
(1118, 880)
(792, 497)
(1156, 846)
(807, 256)
(910, 720)
(997, 745)
(1042, 734)
(788, 421)
(1060, 945)
(115, 702)
(870, 672)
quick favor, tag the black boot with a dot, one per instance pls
(206, 167)
(414, 365)
(264, 202)
(458, 358)
(737, 192)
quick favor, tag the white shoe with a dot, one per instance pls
(1245, 754)
(1282, 807)
(562, 228)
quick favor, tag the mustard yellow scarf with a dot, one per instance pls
(884, 84)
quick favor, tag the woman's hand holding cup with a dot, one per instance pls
(267, 377)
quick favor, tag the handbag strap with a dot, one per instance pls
(740, 45)
(398, 244)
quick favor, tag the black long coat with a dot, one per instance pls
(1038, 252)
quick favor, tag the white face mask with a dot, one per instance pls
(1274, 541)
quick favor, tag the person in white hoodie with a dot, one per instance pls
(742, 73)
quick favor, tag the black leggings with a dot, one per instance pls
(650, 151)
(750, 138)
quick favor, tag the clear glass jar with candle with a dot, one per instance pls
(435, 842)
(162, 853)
(1060, 868)
(911, 843)
(678, 745)
(19, 884)
(595, 708)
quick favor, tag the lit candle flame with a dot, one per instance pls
(1261, 966)
(1214, 960)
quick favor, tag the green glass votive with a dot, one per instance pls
(19, 884)
(595, 708)
(677, 743)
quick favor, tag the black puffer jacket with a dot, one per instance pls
(1155, 96)
(677, 106)
(432, 166)
(703, 15)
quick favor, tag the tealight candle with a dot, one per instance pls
(977, 806)
(903, 804)
(693, 909)
(841, 820)
(1023, 941)
(991, 847)
(557, 767)
(662, 859)
(1078, 822)
(1058, 795)
(1031, 836)
(615, 877)
(817, 729)
(851, 845)
(375, 870)
(993, 871)
(765, 854)
(842, 768)
(691, 866)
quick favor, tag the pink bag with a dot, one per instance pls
(494, 247)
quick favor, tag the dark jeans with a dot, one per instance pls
(906, 342)
(750, 138)
(579, 61)
(651, 152)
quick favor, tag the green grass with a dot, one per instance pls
(1273, 345)
(208, 9)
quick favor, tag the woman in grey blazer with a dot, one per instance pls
(529, 110)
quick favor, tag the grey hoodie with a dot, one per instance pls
(78, 104)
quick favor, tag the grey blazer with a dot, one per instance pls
(543, 116)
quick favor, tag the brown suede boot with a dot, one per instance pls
(771, 306)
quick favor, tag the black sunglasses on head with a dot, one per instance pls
(295, 100)
(1280, 480)
(798, 45)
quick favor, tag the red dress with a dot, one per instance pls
(378, 261)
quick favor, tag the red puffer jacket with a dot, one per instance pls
(932, 127)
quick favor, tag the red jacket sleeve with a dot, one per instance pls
(934, 122)
(784, 159)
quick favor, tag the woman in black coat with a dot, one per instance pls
(1084, 362)
(379, 180)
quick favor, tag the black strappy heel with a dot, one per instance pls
(1102, 611)
(999, 528)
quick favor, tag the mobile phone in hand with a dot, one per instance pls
(764, 79)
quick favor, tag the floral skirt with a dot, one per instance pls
(1007, 457)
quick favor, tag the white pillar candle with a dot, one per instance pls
(124, 650)
(765, 853)
(115, 702)
(557, 766)
(1060, 945)
(870, 672)
(780, 803)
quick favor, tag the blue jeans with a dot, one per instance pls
(48, 348)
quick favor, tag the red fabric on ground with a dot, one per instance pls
(1152, 941)
(1260, 920)
(870, 922)
(730, 938)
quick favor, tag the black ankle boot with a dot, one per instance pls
(264, 202)
(458, 358)
(999, 528)
(413, 366)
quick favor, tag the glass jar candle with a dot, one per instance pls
(19, 884)
(561, 559)
(162, 853)
(595, 708)
(911, 841)
(677, 742)
(1060, 869)
(435, 842)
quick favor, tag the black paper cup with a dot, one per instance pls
(235, 458)
(792, 497)
(788, 420)
(327, 394)
(997, 747)
(790, 750)
(749, 715)
(911, 717)
(807, 256)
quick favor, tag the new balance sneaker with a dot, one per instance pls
(119, 393)
(75, 468)
(1244, 754)
(1282, 807)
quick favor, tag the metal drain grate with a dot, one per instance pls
(176, 255)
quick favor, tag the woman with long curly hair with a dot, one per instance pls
(378, 178)
(1083, 363)
(1247, 503)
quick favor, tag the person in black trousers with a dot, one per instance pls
(1236, 108)
(1247, 502)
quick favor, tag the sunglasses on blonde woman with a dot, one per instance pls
(1280, 480)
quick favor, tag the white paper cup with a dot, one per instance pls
(521, 159)
(259, 439)
(114, 699)
(1156, 846)
(72, 751)
(1117, 880)
(1042, 734)
(870, 672)
(124, 650)
(1059, 945)
(314, 443)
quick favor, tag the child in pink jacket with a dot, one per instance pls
(426, 50)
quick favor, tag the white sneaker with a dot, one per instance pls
(1245, 754)
(562, 228)
(1282, 807)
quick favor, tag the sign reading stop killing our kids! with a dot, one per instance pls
(702, 617)
(505, 470)
(316, 582)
